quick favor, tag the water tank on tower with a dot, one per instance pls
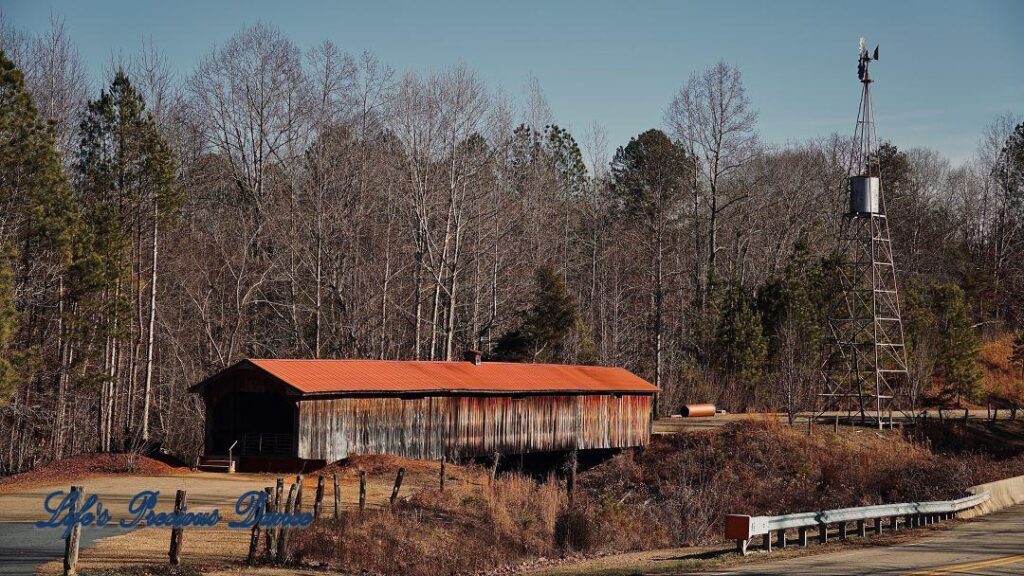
(864, 193)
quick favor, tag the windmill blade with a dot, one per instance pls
(876, 52)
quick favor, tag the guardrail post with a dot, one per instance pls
(878, 526)
(823, 533)
(803, 536)
(894, 524)
(741, 547)
(782, 538)
(861, 529)
(842, 530)
(767, 545)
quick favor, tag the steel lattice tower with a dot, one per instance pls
(864, 364)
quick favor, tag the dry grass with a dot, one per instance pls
(675, 493)
(469, 527)
(1004, 382)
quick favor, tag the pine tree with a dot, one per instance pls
(1018, 352)
(9, 377)
(128, 192)
(546, 325)
(741, 344)
(39, 221)
(960, 346)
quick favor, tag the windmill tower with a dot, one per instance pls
(864, 364)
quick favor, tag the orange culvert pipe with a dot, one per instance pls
(698, 410)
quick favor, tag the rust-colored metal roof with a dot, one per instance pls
(393, 376)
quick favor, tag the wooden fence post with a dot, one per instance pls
(274, 531)
(318, 502)
(74, 537)
(398, 485)
(282, 539)
(298, 495)
(337, 498)
(254, 540)
(443, 459)
(362, 491)
(180, 507)
(494, 470)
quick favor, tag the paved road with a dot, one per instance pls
(23, 547)
(989, 546)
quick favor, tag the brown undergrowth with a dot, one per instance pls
(675, 493)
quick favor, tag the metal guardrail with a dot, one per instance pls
(742, 528)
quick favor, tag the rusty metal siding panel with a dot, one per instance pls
(332, 429)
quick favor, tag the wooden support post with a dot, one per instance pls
(441, 480)
(570, 483)
(337, 498)
(782, 538)
(74, 536)
(823, 533)
(398, 486)
(254, 539)
(318, 501)
(282, 539)
(362, 491)
(878, 526)
(894, 524)
(298, 494)
(803, 536)
(861, 529)
(180, 507)
(494, 469)
(767, 545)
(842, 530)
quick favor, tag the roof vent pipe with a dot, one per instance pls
(474, 356)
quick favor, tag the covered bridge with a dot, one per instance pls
(326, 410)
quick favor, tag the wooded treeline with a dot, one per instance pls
(276, 202)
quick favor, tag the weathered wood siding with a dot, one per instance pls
(332, 429)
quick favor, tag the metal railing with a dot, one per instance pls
(267, 444)
(742, 528)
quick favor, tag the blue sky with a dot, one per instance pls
(946, 68)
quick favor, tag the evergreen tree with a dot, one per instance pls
(8, 326)
(37, 224)
(741, 344)
(650, 177)
(1017, 356)
(546, 325)
(128, 191)
(960, 345)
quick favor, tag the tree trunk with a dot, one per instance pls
(148, 387)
